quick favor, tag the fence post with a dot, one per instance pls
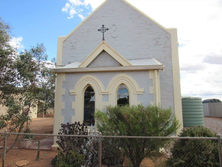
(4, 151)
(38, 152)
(100, 150)
(219, 147)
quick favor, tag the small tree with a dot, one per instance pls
(137, 121)
(195, 152)
(22, 79)
(47, 88)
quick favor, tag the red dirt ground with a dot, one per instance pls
(38, 125)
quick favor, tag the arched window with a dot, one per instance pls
(122, 95)
(89, 106)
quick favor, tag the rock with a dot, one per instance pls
(22, 163)
(25, 143)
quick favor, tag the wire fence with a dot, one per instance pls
(26, 149)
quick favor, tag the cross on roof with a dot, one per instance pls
(103, 29)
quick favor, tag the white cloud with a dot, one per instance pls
(213, 58)
(66, 7)
(205, 83)
(199, 26)
(69, 9)
(78, 8)
(77, 2)
(72, 12)
(16, 42)
(81, 17)
(94, 3)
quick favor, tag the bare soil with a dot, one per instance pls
(39, 126)
(16, 155)
(42, 125)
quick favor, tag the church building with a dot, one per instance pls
(116, 56)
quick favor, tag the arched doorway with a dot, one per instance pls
(89, 106)
(122, 95)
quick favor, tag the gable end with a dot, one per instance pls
(104, 59)
(103, 46)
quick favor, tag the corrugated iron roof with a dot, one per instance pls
(144, 62)
(72, 65)
(134, 62)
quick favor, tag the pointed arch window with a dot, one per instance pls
(122, 95)
(89, 106)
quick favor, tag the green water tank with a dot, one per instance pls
(192, 108)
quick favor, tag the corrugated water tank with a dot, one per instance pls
(192, 111)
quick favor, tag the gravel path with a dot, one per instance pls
(213, 123)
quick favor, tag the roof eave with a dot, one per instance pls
(108, 69)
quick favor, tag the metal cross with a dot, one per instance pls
(103, 29)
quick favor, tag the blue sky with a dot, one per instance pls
(38, 21)
(199, 25)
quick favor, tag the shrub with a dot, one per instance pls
(195, 152)
(69, 159)
(71, 150)
(72, 143)
(111, 153)
(137, 121)
(54, 160)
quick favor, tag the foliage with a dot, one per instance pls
(71, 143)
(194, 152)
(137, 121)
(24, 80)
(47, 88)
(27, 130)
(7, 57)
(69, 159)
(35, 78)
(70, 146)
(54, 160)
(30, 87)
(111, 152)
(89, 147)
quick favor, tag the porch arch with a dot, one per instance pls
(79, 92)
(88, 80)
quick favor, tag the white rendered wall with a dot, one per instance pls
(69, 111)
(130, 34)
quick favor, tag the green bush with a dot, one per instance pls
(195, 152)
(111, 152)
(137, 121)
(70, 159)
(54, 160)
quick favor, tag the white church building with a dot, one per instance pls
(136, 63)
